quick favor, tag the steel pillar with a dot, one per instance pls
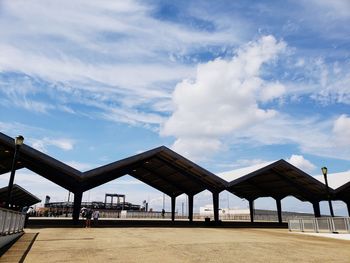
(251, 210)
(348, 206)
(76, 207)
(173, 199)
(216, 206)
(190, 208)
(316, 206)
(279, 210)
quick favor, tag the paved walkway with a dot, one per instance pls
(182, 245)
(329, 235)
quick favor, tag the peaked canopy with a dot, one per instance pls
(160, 168)
(278, 180)
(39, 163)
(20, 196)
(343, 192)
(172, 174)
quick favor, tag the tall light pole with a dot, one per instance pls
(324, 171)
(18, 142)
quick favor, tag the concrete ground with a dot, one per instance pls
(182, 245)
(329, 235)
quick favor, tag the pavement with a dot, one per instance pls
(180, 245)
(328, 235)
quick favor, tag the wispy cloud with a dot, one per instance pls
(101, 55)
(42, 144)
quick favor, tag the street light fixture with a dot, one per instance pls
(18, 142)
(324, 171)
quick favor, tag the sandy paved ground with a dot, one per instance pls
(182, 245)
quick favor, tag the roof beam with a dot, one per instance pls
(264, 191)
(142, 179)
(164, 178)
(301, 190)
(187, 174)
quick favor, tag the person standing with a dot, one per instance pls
(88, 215)
(95, 216)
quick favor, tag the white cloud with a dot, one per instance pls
(341, 131)
(80, 165)
(333, 8)
(223, 98)
(335, 180)
(317, 136)
(237, 173)
(115, 54)
(302, 163)
(35, 184)
(61, 143)
(272, 91)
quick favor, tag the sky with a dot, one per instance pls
(227, 84)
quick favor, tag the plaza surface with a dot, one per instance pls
(181, 245)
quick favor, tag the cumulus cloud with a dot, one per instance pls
(224, 97)
(341, 131)
(302, 163)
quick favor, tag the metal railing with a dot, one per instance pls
(321, 225)
(11, 222)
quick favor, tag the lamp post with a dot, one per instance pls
(18, 142)
(324, 171)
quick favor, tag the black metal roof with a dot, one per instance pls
(160, 168)
(20, 196)
(278, 180)
(172, 174)
(39, 163)
(343, 192)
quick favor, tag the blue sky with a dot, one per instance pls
(225, 83)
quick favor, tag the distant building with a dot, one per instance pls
(244, 214)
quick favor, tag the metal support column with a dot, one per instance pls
(216, 206)
(316, 206)
(12, 177)
(251, 209)
(76, 207)
(348, 206)
(173, 199)
(190, 208)
(279, 210)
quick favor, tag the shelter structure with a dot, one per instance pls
(173, 174)
(160, 168)
(39, 163)
(343, 193)
(279, 180)
(166, 171)
(21, 197)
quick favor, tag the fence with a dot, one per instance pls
(321, 225)
(11, 222)
(196, 216)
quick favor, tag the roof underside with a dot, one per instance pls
(343, 192)
(20, 196)
(278, 180)
(160, 168)
(38, 162)
(171, 174)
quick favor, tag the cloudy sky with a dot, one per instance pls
(227, 84)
